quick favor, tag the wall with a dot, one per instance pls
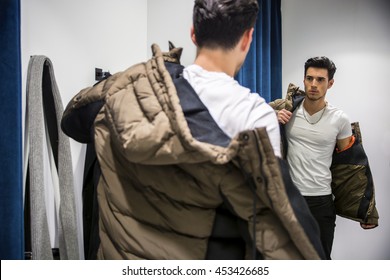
(78, 36)
(171, 20)
(355, 35)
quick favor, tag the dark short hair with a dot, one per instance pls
(321, 62)
(221, 23)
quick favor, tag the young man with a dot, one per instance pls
(222, 32)
(312, 131)
(172, 183)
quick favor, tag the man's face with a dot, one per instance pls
(317, 83)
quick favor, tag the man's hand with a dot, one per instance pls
(284, 116)
(367, 226)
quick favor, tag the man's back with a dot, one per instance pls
(233, 107)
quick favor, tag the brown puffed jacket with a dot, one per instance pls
(160, 187)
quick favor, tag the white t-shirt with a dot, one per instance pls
(311, 146)
(233, 107)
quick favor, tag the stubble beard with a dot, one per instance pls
(314, 98)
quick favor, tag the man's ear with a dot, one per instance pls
(247, 39)
(193, 38)
(330, 83)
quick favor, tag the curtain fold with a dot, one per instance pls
(262, 69)
(11, 186)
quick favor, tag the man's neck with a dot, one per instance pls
(217, 61)
(313, 106)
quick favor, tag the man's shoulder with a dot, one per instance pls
(338, 114)
(334, 110)
(192, 67)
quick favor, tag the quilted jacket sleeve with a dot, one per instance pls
(352, 183)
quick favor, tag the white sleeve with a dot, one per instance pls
(266, 117)
(345, 127)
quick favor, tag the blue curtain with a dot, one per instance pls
(262, 69)
(11, 186)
